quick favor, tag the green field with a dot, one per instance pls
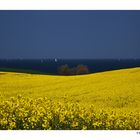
(106, 100)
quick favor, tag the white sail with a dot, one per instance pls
(55, 60)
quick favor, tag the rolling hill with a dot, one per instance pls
(102, 89)
(117, 91)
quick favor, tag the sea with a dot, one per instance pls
(50, 66)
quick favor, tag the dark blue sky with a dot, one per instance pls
(70, 34)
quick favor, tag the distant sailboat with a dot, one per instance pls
(55, 60)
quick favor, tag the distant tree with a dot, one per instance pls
(66, 70)
(63, 70)
(82, 69)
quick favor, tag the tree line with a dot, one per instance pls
(79, 69)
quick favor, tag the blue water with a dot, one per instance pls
(51, 65)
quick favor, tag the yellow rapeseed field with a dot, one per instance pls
(101, 101)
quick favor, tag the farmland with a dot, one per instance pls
(101, 101)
